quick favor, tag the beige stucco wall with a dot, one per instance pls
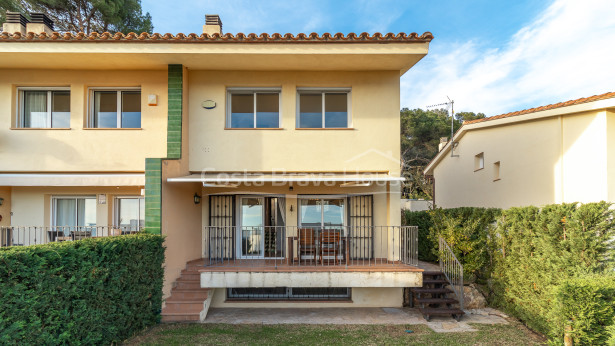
(610, 130)
(372, 144)
(78, 149)
(550, 160)
(31, 206)
(361, 297)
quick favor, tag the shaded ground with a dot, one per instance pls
(512, 333)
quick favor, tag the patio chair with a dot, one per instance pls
(331, 246)
(307, 244)
(79, 235)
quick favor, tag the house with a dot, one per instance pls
(560, 153)
(269, 162)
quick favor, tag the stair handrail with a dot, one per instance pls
(452, 269)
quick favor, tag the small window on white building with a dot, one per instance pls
(479, 161)
(496, 171)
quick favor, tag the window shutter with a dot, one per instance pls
(221, 230)
(361, 230)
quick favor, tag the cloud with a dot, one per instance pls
(567, 52)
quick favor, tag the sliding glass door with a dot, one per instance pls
(261, 230)
(74, 214)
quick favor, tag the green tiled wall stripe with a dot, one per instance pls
(153, 200)
(153, 166)
(174, 125)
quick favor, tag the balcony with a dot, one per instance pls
(36, 235)
(369, 256)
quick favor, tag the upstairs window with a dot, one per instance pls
(479, 161)
(496, 171)
(253, 109)
(113, 108)
(44, 108)
(323, 108)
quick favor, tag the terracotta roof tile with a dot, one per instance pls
(544, 108)
(217, 38)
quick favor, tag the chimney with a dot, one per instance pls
(15, 22)
(443, 141)
(213, 24)
(40, 23)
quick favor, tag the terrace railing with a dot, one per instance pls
(275, 246)
(452, 269)
(35, 235)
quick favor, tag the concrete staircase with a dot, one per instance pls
(433, 299)
(188, 301)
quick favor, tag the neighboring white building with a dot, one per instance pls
(558, 153)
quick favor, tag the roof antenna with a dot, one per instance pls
(448, 105)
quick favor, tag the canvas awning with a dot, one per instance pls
(240, 177)
(111, 179)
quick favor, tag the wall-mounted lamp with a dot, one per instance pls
(290, 188)
(291, 208)
(197, 198)
(1, 200)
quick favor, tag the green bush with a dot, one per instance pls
(537, 250)
(588, 305)
(467, 231)
(422, 219)
(93, 291)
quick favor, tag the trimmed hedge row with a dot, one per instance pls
(538, 250)
(530, 258)
(92, 291)
(588, 306)
(465, 229)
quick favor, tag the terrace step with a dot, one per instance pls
(428, 301)
(432, 290)
(437, 303)
(188, 302)
(435, 281)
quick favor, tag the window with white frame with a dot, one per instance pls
(323, 108)
(78, 211)
(130, 213)
(253, 108)
(115, 108)
(43, 108)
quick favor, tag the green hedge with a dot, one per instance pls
(93, 291)
(465, 229)
(530, 258)
(588, 306)
(539, 249)
(422, 219)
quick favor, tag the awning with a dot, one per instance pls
(111, 179)
(240, 177)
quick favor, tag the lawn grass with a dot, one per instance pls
(291, 334)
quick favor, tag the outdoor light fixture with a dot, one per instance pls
(1, 200)
(197, 198)
(290, 188)
(291, 208)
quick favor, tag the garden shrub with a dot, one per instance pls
(537, 250)
(467, 231)
(588, 305)
(422, 219)
(92, 291)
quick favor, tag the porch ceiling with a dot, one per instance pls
(103, 179)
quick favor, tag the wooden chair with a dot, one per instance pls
(331, 246)
(306, 244)
(79, 235)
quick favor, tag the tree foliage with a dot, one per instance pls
(420, 136)
(86, 15)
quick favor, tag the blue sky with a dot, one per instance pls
(488, 56)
